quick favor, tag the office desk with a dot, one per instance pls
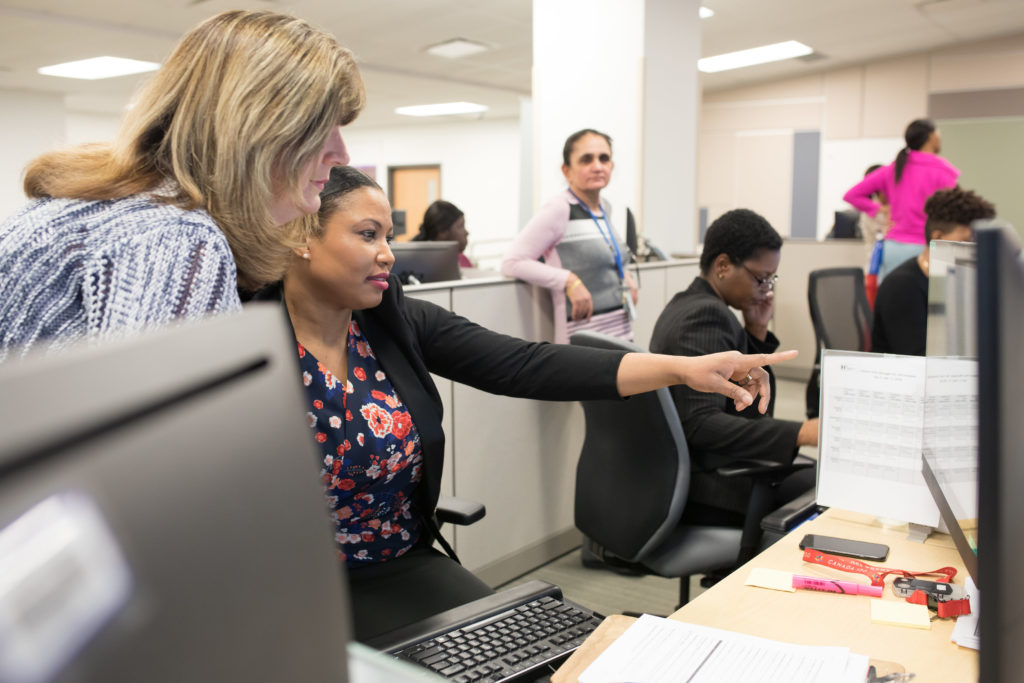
(814, 618)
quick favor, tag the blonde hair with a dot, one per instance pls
(246, 97)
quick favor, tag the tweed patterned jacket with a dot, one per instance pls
(74, 269)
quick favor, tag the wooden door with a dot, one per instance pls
(412, 189)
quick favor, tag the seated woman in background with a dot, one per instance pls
(366, 355)
(169, 219)
(584, 261)
(901, 308)
(444, 222)
(737, 271)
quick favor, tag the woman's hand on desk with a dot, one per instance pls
(640, 372)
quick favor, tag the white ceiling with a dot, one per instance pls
(389, 36)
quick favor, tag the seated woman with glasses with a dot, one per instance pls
(737, 271)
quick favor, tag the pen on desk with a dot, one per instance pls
(833, 586)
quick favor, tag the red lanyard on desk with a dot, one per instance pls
(950, 603)
(876, 574)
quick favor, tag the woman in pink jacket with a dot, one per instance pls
(914, 176)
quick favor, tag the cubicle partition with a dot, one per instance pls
(516, 456)
(792, 318)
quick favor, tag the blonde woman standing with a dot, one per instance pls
(232, 138)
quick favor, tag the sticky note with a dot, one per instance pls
(775, 579)
(900, 613)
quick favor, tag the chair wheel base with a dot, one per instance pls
(592, 561)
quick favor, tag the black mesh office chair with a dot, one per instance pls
(841, 316)
(632, 482)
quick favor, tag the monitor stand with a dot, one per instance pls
(918, 532)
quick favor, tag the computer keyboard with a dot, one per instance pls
(518, 634)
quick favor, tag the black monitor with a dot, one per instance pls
(419, 262)
(632, 242)
(161, 513)
(1000, 290)
(846, 225)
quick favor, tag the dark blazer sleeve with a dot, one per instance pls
(462, 351)
(715, 432)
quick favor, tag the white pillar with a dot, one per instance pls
(629, 69)
(670, 125)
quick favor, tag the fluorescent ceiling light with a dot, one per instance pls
(755, 55)
(455, 48)
(99, 67)
(441, 109)
(706, 13)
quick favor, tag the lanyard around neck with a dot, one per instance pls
(609, 238)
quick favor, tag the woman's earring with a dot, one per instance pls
(305, 255)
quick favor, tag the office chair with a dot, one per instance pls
(632, 482)
(841, 316)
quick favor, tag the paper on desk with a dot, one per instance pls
(879, 413)
(656, 650)
(776, 579)
(900, 613)
(967, 630)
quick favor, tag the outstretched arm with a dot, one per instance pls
(640, 372)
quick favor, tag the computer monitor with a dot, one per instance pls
(952, 299)
(161, 512)
(419, 262)
(846, 225)
(1000, 452)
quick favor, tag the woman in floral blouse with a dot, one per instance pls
(366, 354)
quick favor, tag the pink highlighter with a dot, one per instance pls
(833, 586)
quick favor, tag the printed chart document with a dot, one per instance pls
(655, 649)
(879, 413)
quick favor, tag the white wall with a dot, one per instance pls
(84, 127)
(745, 139)
(579, 83)
(30, 124)
(480, 170)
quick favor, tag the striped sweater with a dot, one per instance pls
(73, 269)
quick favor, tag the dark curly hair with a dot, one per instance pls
(737, 234)
(947, 209)
(438, 217)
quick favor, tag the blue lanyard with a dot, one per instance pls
(609, 239)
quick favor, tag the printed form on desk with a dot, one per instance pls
(879, 413)
(656, 650)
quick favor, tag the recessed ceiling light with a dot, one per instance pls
(99, 67)
(755, 55)
(706, 13)
(455, 48)
(441, 109)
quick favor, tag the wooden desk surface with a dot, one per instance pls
(814, 618)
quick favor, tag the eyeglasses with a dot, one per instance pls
(765, 282)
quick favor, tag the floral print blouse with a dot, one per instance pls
(371, 455)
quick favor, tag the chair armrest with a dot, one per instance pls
(458, 511)
(753, 468)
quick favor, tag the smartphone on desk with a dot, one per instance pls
(846, 547)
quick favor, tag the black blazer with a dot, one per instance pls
(697, 322)
(413, 338)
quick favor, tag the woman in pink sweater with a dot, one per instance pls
(914, 176)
